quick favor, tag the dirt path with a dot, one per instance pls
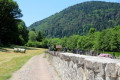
(37, 68)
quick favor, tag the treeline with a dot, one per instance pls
(78, 19)
(107, 40)
(37, 40)
(12, 29)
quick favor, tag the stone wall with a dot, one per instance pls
(81, 67)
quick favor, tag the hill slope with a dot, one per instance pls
(78, 19)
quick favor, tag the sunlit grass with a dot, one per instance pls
(10, 61)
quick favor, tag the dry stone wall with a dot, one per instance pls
(81, 67)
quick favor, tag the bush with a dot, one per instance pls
(43, 44)
(33, 44)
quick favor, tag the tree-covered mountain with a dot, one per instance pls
(78, 19)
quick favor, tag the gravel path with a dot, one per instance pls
(37, 68)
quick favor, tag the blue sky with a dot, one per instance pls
(36, 10)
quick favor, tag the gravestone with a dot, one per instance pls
(113, 55)
(73, 50)
(65, 49)
(49, 47)
(83, 52)
(98, 52)
(77, 51)
(92, 52)
(86, 52)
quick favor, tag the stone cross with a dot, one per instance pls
(113, 54)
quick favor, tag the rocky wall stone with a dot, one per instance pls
(81, 67)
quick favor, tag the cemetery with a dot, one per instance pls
(79, 40)
(84, 65)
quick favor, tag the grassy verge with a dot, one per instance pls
(10, 61)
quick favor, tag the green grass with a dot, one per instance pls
(11, 62)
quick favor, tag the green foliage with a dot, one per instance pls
(78, 19)
(9, 14)
(23, 33)
(72, 41)
(44, 43)
(92, 30)
(96, 41)
(34, 44)
(55, 41)
(63, 41)
(115, 40)
(84, 42)
(40, 36)
(37, 40)
(33, 29)
(107, 40)
(32, 36)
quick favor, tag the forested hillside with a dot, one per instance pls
(78, 19)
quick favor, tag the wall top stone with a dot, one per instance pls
(90, 67)
(86, 57)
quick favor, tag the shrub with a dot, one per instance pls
(33, 44)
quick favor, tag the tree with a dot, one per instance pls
(72, 41)
(63, 42)
(32, 36)
(23, 33)
(9, 13)
(33, 29)
(84, 42)
(45, 43)
(115, 39)
(40, 36)
(55, 41)
(92, 30)
(96, 42)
